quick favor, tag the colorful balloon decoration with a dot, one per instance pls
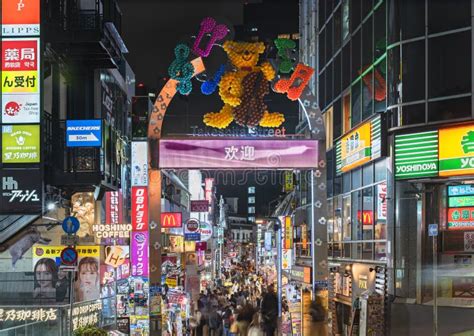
(284, 47)
(217, 31)
(209, 86)
(182, 70)
(294, 86)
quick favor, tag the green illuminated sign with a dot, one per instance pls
(461, 201)
(20, 143)
(416, 155)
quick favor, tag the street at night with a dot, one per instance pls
(236, 168)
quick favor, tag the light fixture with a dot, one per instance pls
(51, 206)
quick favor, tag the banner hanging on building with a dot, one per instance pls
(113, 207)
(21, 143)
(139, 163)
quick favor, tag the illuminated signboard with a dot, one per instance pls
(461, 201)
(28, 315)
(204, 153)
(460, 218)
(288, 233)
(88, 314)
(461, 190)
(139, 163)
(20, 74)
(416, 155)
(456, 151)
(139, 253)
(171, 220)
(361, 145)
(113, 207)
(20, 143)
(140, 208)
(21, 18)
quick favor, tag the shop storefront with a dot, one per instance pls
(357, 230)
(436, 167)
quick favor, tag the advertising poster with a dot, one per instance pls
(205, 229)
(139, 253)
(139, 163)
(286, 259)
(83, 209)
(51, 283)
(20, 143)
(176, 244)
(139, 325)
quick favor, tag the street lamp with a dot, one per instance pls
(277, 230)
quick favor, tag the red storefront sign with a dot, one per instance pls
(20, 54)
(113, 207)
(21, 17)
(140, 208)
(171, 219)
(461, 218)
(366, 217)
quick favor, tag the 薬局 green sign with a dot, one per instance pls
(20, 143)
(416, 155)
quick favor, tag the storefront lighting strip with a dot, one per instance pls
(362, 261)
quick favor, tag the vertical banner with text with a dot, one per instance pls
(139, 253)
(140, 208)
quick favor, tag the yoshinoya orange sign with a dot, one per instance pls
(171, 220)
(20, 18)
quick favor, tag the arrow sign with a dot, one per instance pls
(69, 256)
(70, 225)
(84, 133)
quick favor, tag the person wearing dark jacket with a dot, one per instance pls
(269, 310)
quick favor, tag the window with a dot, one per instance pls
(328, 123)
(322, 12)
(346, 65)
(322, 48)
(413, 76)
(337, 81)
(367, 95)
(381, 219)
(356, 7)
(366, 7)
(329, 80)
(356, 198)
(367, 174)
(380, 31)
(356, 54)
(412, 114)
(330, 224)
(345, 19)
(346, 222)
(337, 29)
(449, 109)
(412, 17)
(367, 219)
(251, 209)
(251, 190)
(337, 113)
(394, 76)
(251, 200)
(251, 219)
(459, 15)
(338, 218)
(322, 90)
(329, 40)
(367, 44)
(346, 113)
(380, 86)
(449, 64)
(380, 170)
(346, 182)
(356, 116)
(356, 178)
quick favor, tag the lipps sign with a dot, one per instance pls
(21, 191)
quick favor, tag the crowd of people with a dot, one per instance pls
(246, 308)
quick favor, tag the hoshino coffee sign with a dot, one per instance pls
(444, 152)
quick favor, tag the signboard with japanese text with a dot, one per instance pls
(171, 220)
(205, 153)
(208, 186)
(360, 146)
(21, 191)
(456, 151)
(140, 208)
(301, 274)
(21, 18)
(286, 259)
(113, 207)
(288, 233)
(20, 143)
(461, 190)
(139, 166)
(461, 201)
(289, 183)
(382, 201)
(205, 229)
(139, 253)
(19, 103)
(460, 218)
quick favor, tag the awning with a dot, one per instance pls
(12, 224)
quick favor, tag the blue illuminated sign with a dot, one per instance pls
(461, 190)
(84, 133)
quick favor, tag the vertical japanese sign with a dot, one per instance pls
(288, 232)
(139, 163)
(139, 257)
(140, 208)
(20, 80)
(113, 207)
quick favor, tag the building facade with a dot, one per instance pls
(394, 80)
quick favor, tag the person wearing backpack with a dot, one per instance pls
(215, 323)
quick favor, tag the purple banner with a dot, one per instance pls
(237, 154)
(139, 257)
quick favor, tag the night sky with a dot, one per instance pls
(152, 28)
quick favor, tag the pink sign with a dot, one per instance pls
(200, 206)
(230, 153)
(139, 257)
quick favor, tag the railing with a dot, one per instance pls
(374, 249)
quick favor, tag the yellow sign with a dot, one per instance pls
(456, 151)
(47, 251)
(189, 246)
(356, 147)
(171, 282)
(288, 233)
(289, 181)
(176, 244)
(20, 81)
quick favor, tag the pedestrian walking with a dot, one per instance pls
(270, 311)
